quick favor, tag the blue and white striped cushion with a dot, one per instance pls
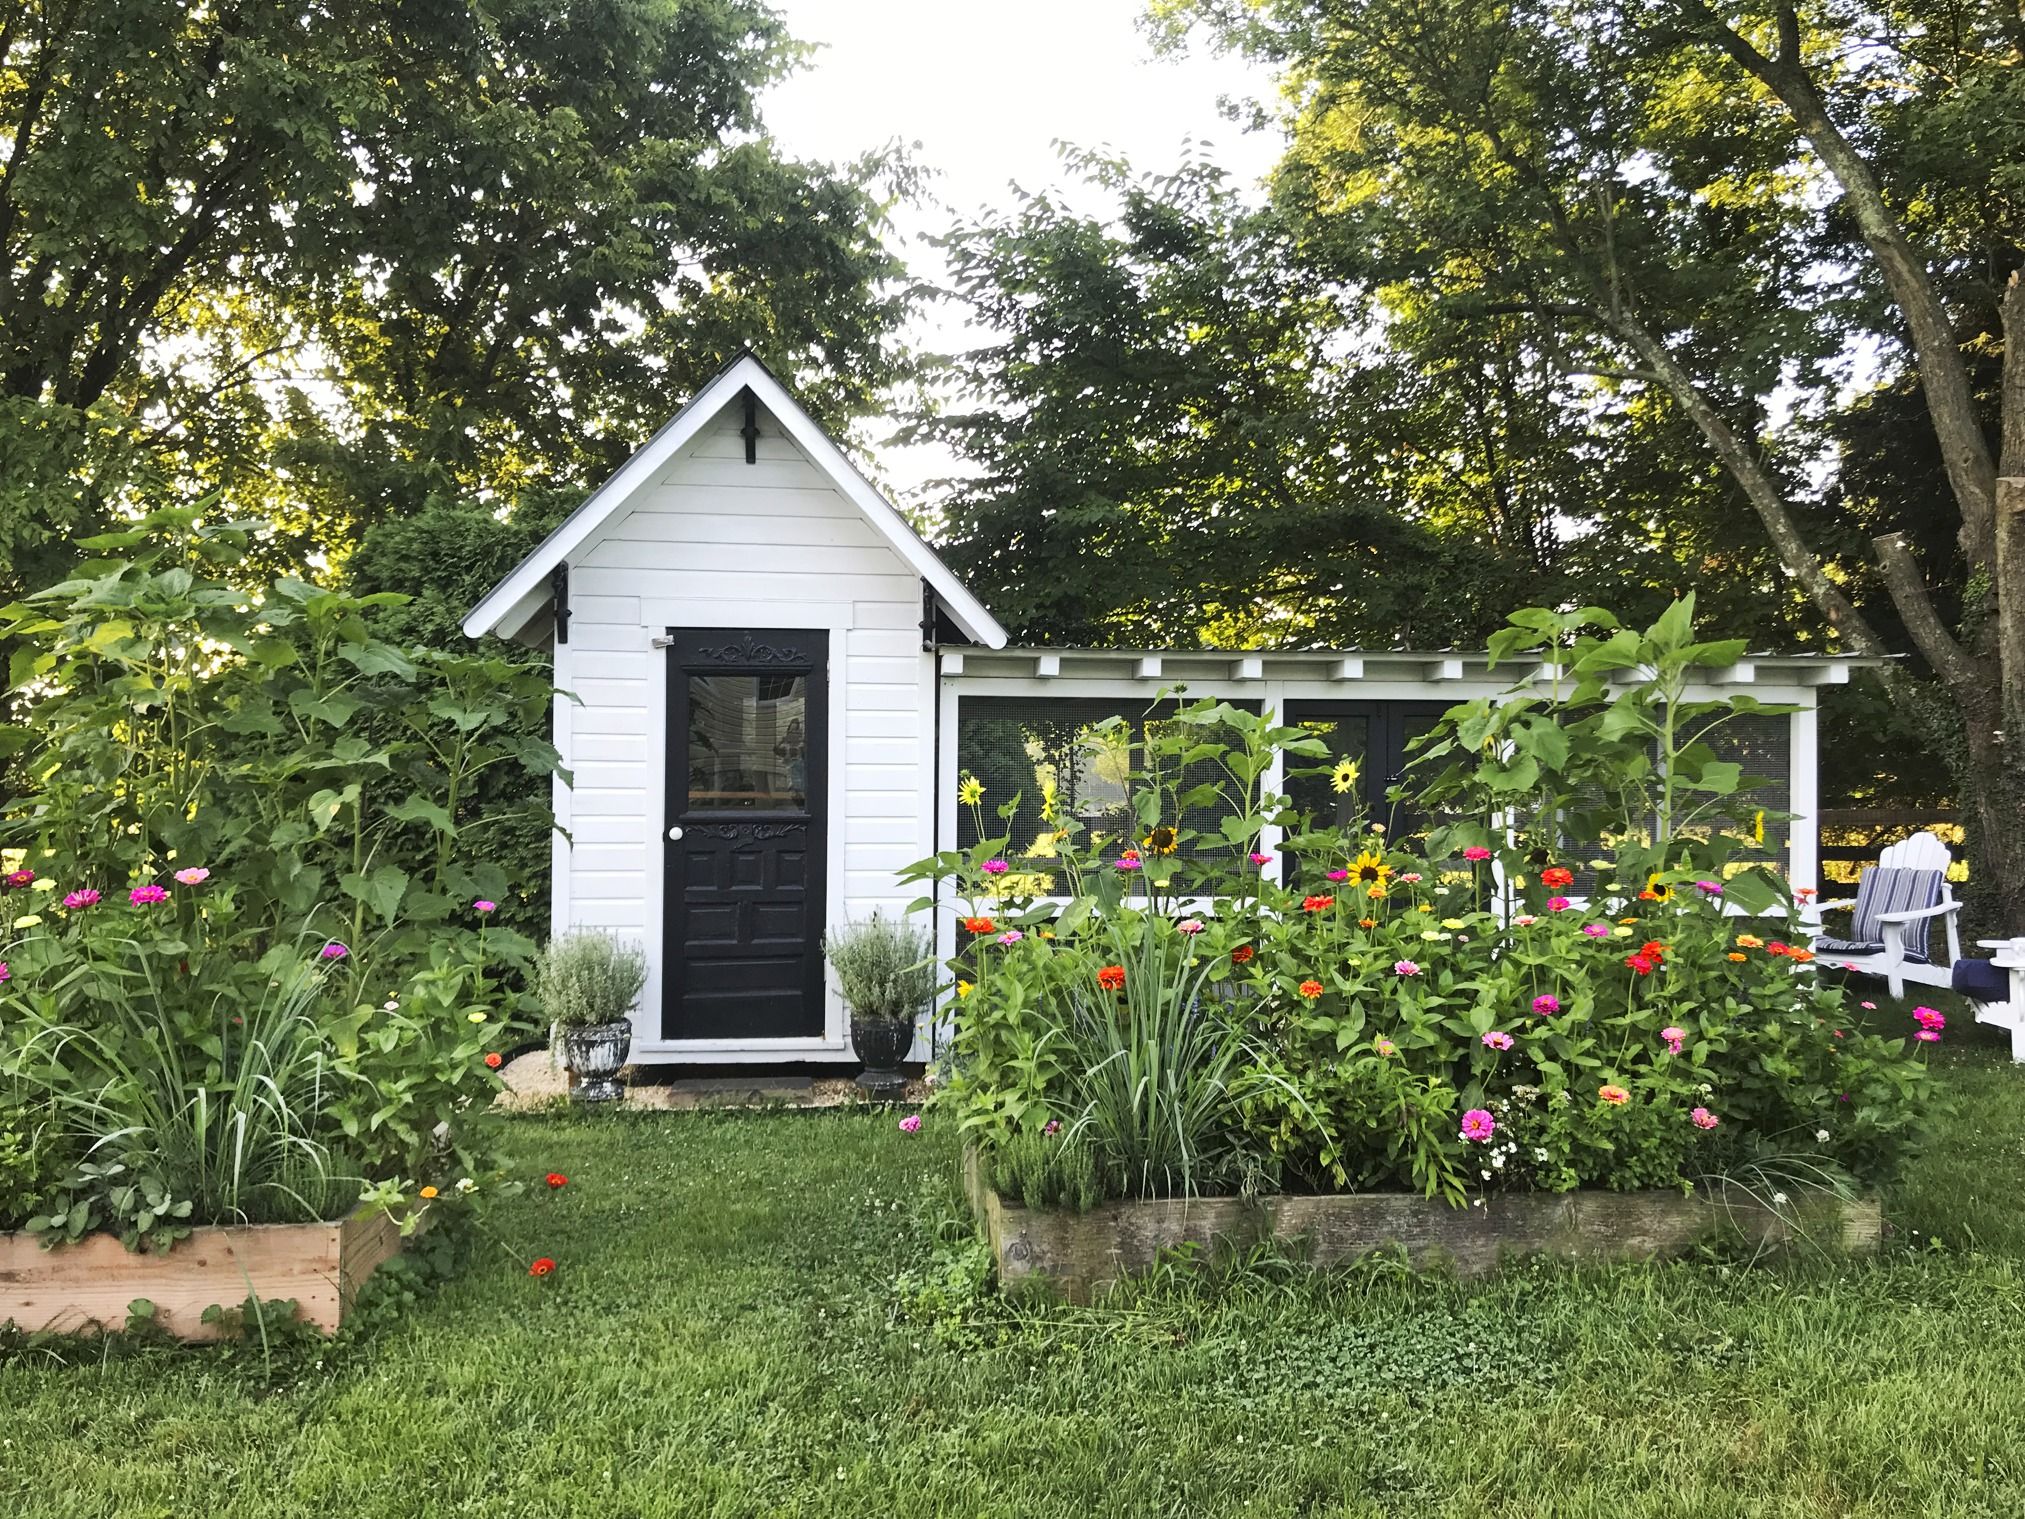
(1888, 889)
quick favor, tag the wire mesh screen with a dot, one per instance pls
(1056, 755)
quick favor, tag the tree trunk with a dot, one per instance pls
(1992, 782)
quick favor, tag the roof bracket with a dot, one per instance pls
(559, 589)
(750, 432)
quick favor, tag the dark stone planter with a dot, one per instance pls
(594, 1054)
(882, 1043)
(1078, 1255)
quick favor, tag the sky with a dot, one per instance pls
(986, 91)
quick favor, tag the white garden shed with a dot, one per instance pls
(774, 685)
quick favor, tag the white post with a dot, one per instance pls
(1803, 863)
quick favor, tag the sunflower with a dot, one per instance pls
(1758, 826)
(1160, 841)
(1656, 890)
(1370, 867)
(1343, 778)
(970, 791)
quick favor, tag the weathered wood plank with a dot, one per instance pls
(1076, 1255)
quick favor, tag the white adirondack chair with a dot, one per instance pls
(1894, 907)
(1997, 988)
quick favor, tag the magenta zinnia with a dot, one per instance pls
(147, 896)
(1478, 1124)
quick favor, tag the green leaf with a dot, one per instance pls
(381, 889)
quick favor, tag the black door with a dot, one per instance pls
(748, 727)
(1375, 734)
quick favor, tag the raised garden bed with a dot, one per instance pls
(88, 1286)
(1076, 1255)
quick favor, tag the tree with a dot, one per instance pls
(1728, 210)
(340, 259)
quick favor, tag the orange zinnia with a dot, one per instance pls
(541, 1267)
(1311, 989)
(1111, 977)
(1799, 956)
(1557, 875)
(1739, 958)
(1317, 904)
(1367, 922)
(1615, 1095)
(1241, 954)
(978, 925)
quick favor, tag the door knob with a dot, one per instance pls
(674, 834)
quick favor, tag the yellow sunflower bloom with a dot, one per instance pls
(1343, 778)
(964, 989)
(1160, 841)
(1659, 889)
(1370, 867)
(970, 791)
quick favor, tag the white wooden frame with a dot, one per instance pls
(2009, 956)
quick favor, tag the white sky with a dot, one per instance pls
(986, 91)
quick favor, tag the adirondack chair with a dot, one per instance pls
(1894, 907)
(1997, 988)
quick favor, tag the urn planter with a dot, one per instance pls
(595, 1053)
(882, 1043)
(87, 1286)
(1077, 1255)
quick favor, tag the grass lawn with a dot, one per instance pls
(721, 1339)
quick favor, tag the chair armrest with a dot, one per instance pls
(1924, 912)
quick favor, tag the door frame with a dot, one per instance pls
(756, 652)
(1386, 755)
(659, 617)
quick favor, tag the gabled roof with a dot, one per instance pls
(517, 599)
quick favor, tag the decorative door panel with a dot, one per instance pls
(747, 799)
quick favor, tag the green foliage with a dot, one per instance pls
(1450, 1013)
(885, 968)
(346, 261)
(586, 978)
(1046, 1166)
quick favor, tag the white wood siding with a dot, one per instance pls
(715, 542)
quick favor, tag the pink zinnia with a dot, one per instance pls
(1405, 968)
(483, 906)
(1261, 859)
(1476, 852)
(994, 867)
(196, 875)
(1052, 1127)
(334, 951)
(1339, 875)
(1928, 1036)
(1011, 936)
(1595, 930)
(1709, 888)
(1189, 926)
(1411, 878)
(1478, 1124)
(1497, 1039)
(1558, 904)
(87, 897)
(1525, 920)
(5, 973)
(1702, 1118)
(20, 878)
(1130, 862)
(911, 1124)
(1547, 1004)
(147, 896)
(1868, 1007)
(1926, 1017)
(1673, 1038)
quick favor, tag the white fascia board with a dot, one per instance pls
(529, 581)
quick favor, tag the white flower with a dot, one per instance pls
(1821, 1136)
(390, 1006)
(466, 1185)
(1486, 1173)
(1778, 1199)
(1498, 1160)
(1539, 1154)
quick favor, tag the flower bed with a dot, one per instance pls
(1210, 991)
(91, 1284)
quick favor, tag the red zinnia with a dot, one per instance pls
(1653, 950)
(1557, 875)
(1639, 963)
(493, 1060)
(557, 1179)
(1111, 977)
(1317, 904)
(1242, 953)
(1776, 948)
(541, 1267)
(978, 925)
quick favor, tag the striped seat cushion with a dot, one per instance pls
(1888, 889)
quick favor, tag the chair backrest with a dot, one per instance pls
(1919, 851)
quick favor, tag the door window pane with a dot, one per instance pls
(748, 743)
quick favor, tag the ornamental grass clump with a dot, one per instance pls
(585, 979)
(885, 968)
